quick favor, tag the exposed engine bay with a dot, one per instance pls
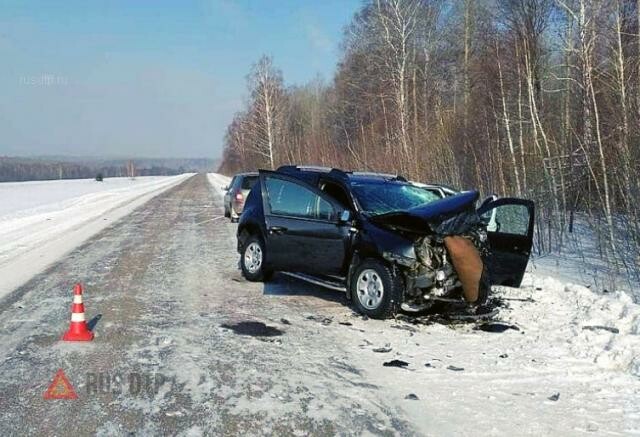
(448, 264)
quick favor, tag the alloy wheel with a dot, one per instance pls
(370, 289)
(253, 257)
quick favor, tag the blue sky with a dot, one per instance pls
(149, 78)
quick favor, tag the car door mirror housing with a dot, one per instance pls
(488, 200)
(345, 216)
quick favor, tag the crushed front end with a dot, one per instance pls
(450, 260)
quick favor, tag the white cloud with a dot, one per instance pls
(317, 37)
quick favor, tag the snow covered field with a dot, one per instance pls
(42, 220)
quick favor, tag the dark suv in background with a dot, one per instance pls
(378, 237)
(236, 194)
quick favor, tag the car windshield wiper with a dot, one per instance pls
(379, 214)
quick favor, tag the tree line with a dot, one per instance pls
(20, 169)
(531, 98)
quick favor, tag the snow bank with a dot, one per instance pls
(218, 181)
(581, 261)
(604, 327)
(568, 363)
(41, 221)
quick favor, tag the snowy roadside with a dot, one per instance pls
(41, 221)
(217, 182)
(567, 362)
(580, 261)
(559, 359)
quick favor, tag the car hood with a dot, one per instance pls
(421, 218)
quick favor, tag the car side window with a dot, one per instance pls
(248, 182)
(509, 219)
(291, 199)
(324, 210)
(233, 181)
(337, 193)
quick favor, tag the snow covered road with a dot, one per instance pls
(288, 358)
(42, 220)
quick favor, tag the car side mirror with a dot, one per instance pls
(345, 216)
(225, 188)
(489, 199)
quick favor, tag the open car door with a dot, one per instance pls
(510, 230)
(304, 230)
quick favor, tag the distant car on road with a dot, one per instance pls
(389, 243)
(236, 194)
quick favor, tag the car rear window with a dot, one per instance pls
(248, 182)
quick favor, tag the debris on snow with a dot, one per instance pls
(324, 320)
(455, 369)
(396, 363)
(497, 327)
(613, 330)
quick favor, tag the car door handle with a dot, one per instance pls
(277, 230)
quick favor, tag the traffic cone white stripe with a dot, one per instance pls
(77, 298)
(77, 317)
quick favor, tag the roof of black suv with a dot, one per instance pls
(312, 173)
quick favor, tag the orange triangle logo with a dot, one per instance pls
(60, 388)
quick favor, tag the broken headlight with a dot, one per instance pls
(403, 260)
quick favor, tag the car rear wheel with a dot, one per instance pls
(376, 290)
(252, 260)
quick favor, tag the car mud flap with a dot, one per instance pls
(355, 260)
(468, 264)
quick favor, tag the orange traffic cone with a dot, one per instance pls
(78, 329)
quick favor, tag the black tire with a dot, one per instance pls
(252, 272)
(227, 214)
(370, 302)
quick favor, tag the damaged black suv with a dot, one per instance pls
(389, 243)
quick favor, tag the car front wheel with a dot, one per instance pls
(376, 290)
(252, 261)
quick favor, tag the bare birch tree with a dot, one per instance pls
(267, 108)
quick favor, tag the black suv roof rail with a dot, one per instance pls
(395, 177)
(317, 168)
